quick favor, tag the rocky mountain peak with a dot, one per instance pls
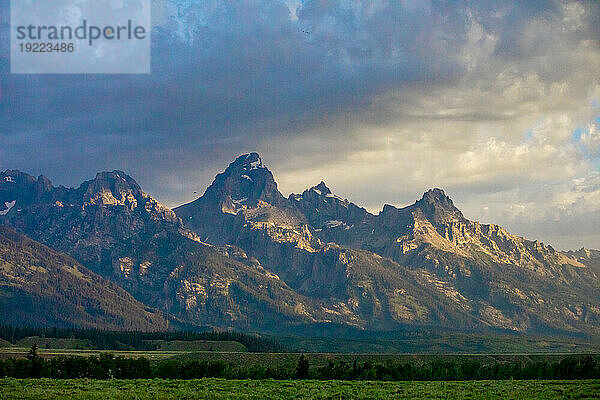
(22, 188)
(244, 164)
(321, 189)
(115, 178)
(587, 256)
(111, 188)
(437, 206)
(437, 196)
(388, 208)
(322, 208)
(245, 183)
(251, 161)
(319, 194)
(15, 176)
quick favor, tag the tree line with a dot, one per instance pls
(137, 340)
(108, 366)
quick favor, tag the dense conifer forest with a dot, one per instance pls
(135, 340)
(108, 366)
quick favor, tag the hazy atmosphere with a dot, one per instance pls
(498, 103)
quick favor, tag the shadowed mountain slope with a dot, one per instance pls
(40, 287)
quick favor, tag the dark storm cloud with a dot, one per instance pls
(226, 75)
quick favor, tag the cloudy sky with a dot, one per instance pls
(496, 102)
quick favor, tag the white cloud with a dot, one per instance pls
(591, 139)
(500, 138)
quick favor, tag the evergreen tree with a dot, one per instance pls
(302, 368)
(36, 363)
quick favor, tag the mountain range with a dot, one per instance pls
(244, 256)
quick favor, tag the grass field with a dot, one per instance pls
(52, 343)
(79, 344)
(21, 352)
(199, 345)
(40, 389)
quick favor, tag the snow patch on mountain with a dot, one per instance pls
(9, 206)
(252, 162)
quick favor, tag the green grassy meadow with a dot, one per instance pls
(155, 355)
(210, 388)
